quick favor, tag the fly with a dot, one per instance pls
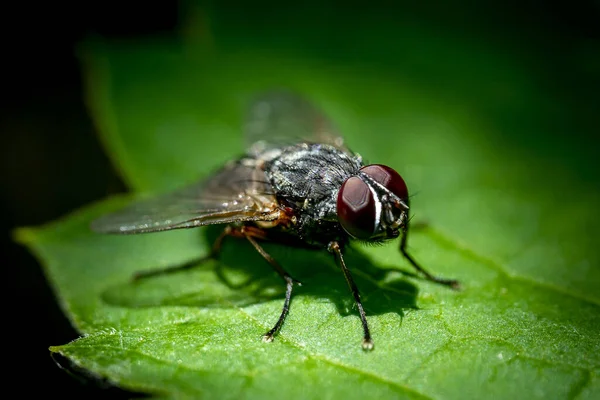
(297, 181)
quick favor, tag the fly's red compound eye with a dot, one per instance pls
(388, 178)
(356, 208)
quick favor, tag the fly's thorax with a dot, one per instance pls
(307, 178)
(261, 150)
(310, 175)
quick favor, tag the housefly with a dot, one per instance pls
(297, 183)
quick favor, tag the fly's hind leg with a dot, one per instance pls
(213, 255)
(253, 233)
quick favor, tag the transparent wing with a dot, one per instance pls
(278, 118)
(238, 192)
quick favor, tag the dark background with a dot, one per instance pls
(51, 161)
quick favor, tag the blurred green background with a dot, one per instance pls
(532, 69)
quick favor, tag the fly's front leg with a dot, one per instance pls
(367, 343)
(251, 233)
(454, 284)
(213, 255)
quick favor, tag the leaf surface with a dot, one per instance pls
(526, 324)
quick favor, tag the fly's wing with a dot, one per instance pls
(238, 192)
(281, 118)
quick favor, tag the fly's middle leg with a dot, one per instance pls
(252, 233)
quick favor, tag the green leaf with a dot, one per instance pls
(514, 219)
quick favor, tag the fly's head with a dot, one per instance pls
(373, 204)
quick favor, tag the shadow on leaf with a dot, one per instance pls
(241, 277)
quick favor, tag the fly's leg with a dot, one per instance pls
(251, 233)
(213, 255)
(367, 343)
(454, 284)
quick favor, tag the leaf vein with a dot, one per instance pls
(446, 240)
(337, 363)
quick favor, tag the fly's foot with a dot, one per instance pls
(268, 337)
(451, 283)
(367, 344)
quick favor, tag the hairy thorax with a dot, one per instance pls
(307, 178)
